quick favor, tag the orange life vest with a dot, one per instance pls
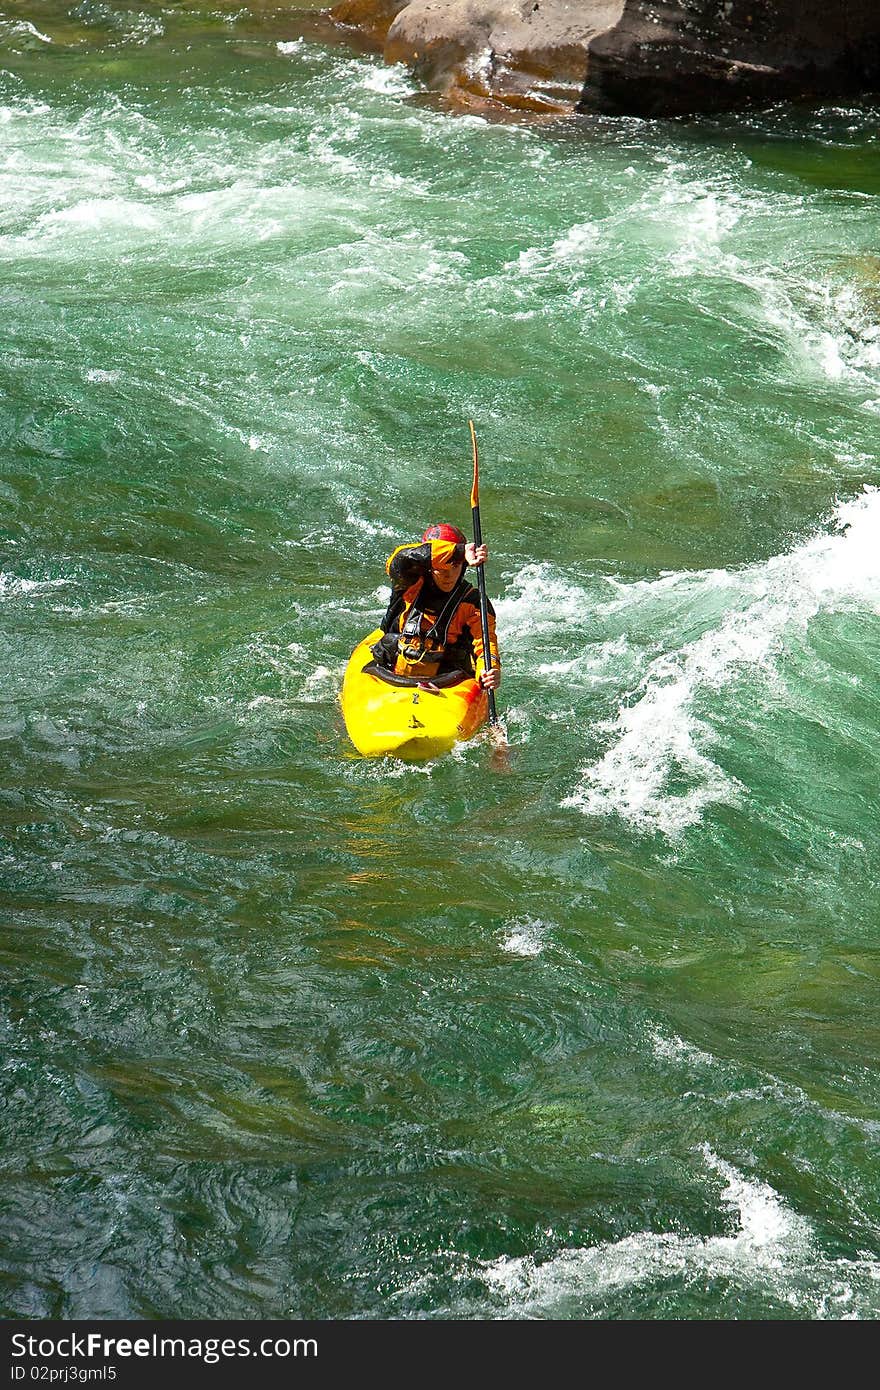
(429, 630)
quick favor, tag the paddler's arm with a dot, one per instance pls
(405, 567)
(490, 680)
(408, 564)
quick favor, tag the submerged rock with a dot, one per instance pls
(636, 56)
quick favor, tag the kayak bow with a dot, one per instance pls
(414, 721)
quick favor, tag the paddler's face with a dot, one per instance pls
(447, 576)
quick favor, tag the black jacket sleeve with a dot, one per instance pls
(408, 564)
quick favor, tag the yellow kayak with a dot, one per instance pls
(410, 720)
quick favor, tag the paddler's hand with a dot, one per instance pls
(490, 680)
(476, 554)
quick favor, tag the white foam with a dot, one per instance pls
(365, 525)
(13, 587)
(828, 332)
(389, 182)
(704, 226)
(24, 27)
(598, 664)
(659, 737)
(142, 27)
(772, 1251)
(524, 936)
(390, 81)
(671, 1048)
(694, 230)
(540, 600)
(323, 148)
(281, 660)
(572, 248)
(385, 768)
(321, 685)
(94, 214)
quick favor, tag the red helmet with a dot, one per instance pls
(442, 531)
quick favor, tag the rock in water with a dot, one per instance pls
(702, 55)
(524, 54)
(644, 57)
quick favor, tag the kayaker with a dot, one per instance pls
(432, 624)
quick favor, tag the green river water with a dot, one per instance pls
(286, 1033)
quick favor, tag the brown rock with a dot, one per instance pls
(528, 54)
(649, 57)
(502, 49)
(371, 18)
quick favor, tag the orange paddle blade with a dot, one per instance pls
(475, 490)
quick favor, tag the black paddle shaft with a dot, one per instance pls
(484, 613)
